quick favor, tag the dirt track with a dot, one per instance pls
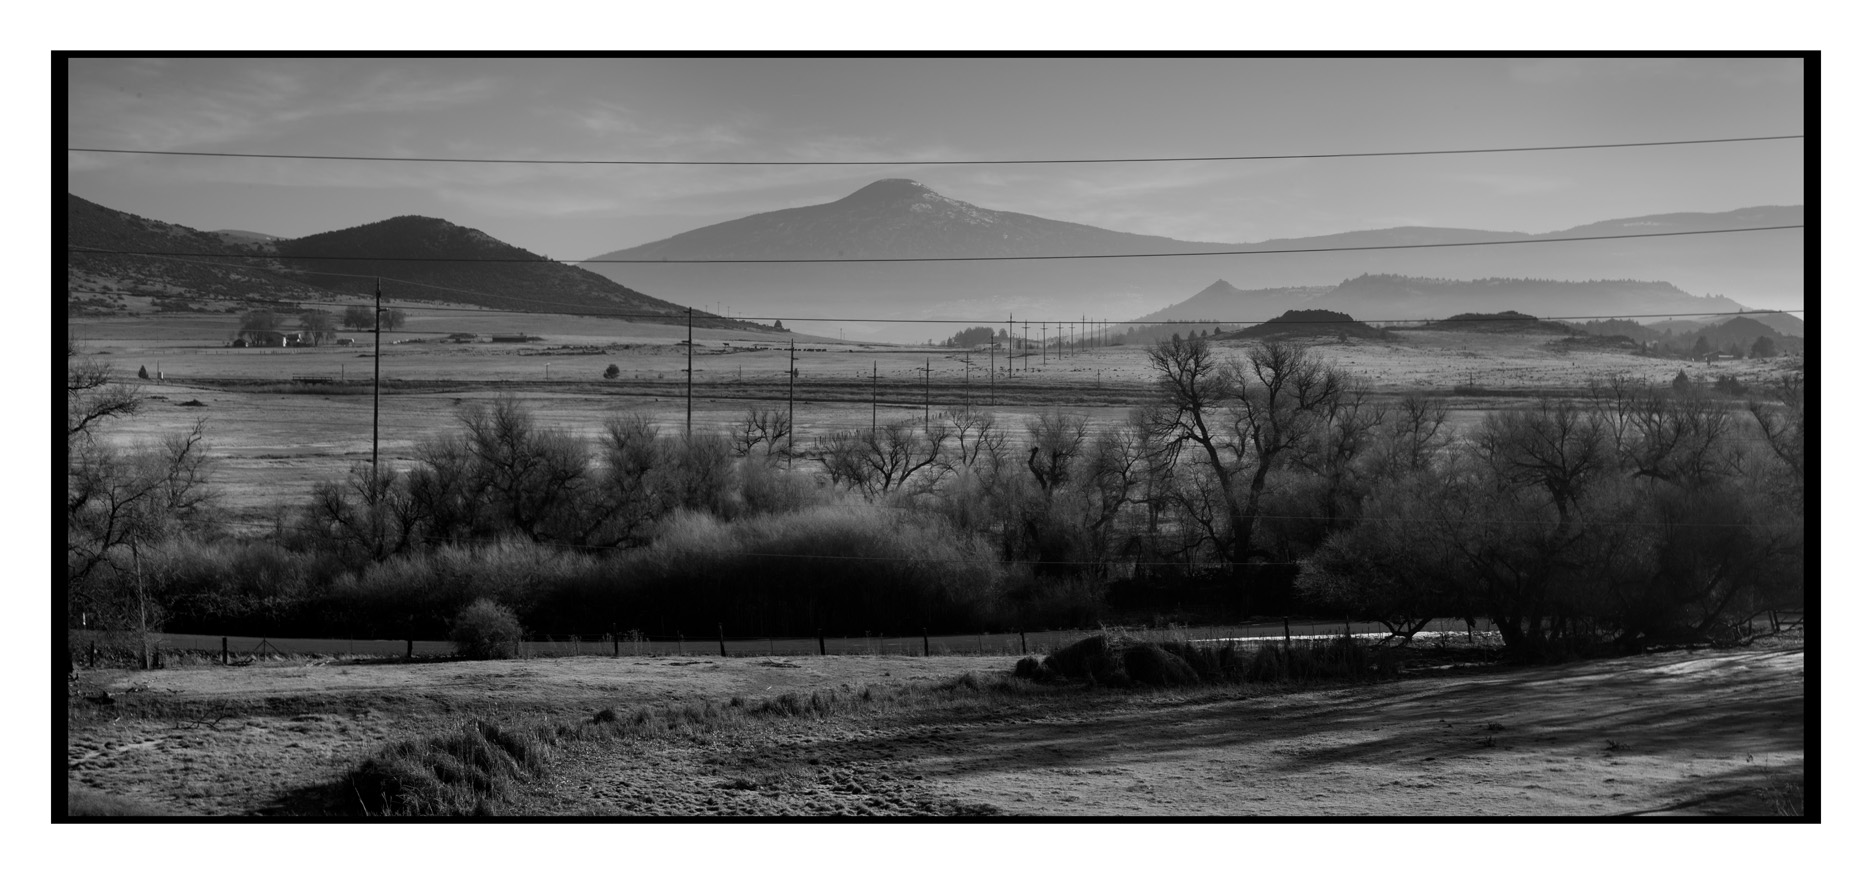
(1705, 733)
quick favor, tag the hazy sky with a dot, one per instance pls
(849, 109)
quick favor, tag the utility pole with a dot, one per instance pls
(927, 392)
(875, 397)
(1045, 345)
(377, 346)
(690, 361)
(1010, 356)
(1025, 348)
(790, 404)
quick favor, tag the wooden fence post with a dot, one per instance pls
(224, 652)
(722, 646)
(1024, 637)
(822, 634)
(410, 648)
(1285, 632)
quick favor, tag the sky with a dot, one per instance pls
(800, 109)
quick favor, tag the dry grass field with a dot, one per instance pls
(276, 434)
(1695, 733)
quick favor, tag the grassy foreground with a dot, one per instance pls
(475, 770)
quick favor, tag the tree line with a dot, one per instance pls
(1255, 482)
(320, 326)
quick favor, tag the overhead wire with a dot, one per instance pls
(950, 258)
(663, 314)
(932, 162)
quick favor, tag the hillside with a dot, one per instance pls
(1507, 322)
(92, 226)
(411, 254)
(1305, 324)
(490, 273)
(1389, 296)
(1222, 302)
(899, 218)
(1628, 328)
(1742, 330)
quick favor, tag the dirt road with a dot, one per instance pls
(1708, 734)
(1702, 733)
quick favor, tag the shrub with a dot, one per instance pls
(464, 773)
(611, 371)
(1149, 664)
(486, 630)
(1092, 658)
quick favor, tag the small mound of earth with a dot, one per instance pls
(1114, 661)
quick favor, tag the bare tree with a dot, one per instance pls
(763, 428)
(1055, 441)
(1557, 445)
(114, 498)
(376, 514)
(1240, 418)
(978, 443)
(1784, 421)
(92, 397)
(1679, 439)
(633, 489)
(257, 322)
(358, 317)
(1414, 434)
(531, 474)
(880, 461)
(319, 325)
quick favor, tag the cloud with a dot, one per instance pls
(648, 138)
(1516, 184)
(1737, 71)
(154, 105)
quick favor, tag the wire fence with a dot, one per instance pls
(242, 649)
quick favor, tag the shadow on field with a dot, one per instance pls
(1718, 707)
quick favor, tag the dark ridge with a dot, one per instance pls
(1300, 324)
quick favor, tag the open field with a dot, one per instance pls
(282, 419)
(1706, 732)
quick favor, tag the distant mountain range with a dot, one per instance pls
(1222, 302)
(900, 218)
(1382, 297)
(341, 263)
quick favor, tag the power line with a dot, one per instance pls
(933, 163)
(1427, 321)
(577, 261)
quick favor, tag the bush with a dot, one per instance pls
(1091, 658)
(1149, 664)
(611, 371)
(486, 630)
